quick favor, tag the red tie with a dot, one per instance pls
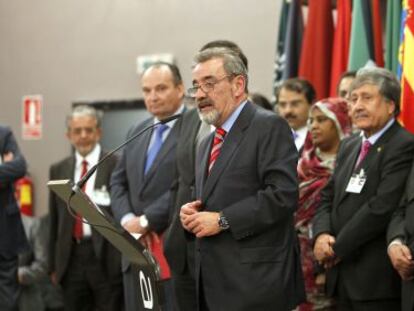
(215, 150)
(77, 227)
(364, 151)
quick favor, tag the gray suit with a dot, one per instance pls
(132, 191)
(255, 264)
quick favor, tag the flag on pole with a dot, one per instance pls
(392, 35)
(407, 66)
(315, 61)
(361, 49)
(280, 58)
(341, 42)
(293, 43)
(377, 33)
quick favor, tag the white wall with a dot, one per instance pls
(68, 50)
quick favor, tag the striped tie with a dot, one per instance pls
(217, 143)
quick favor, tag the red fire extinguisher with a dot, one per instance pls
(24, 195)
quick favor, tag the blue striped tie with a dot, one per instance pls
(156, 146)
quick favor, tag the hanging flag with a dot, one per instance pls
(407, 65)
(315, 61)
(280, 59)
(392, 35)
(377, 33)
(293, 44)
(361, 49)
(341, 43)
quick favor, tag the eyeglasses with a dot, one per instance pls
(205, 87)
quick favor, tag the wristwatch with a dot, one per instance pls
(223, 222)
(143, 221)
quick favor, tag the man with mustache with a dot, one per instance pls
(179, 244)
(358, 201)
(247, 255)
(293, 100)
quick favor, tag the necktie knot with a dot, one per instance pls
(161, 129)
(156, 146)
(217, 143)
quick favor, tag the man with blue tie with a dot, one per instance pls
(365, 189)
(142, 179)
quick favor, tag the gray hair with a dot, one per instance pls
(232, 63)
(387, 83)
(84, 111)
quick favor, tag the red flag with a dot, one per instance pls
(377, 33)
(341, 43)
(315, 61)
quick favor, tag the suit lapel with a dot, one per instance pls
(348, 168)
(372, 156)
(231, 142)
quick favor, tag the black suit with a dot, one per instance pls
(255, 264)
(179, 245)
(63, 248)
(12, 237)
(133, 191)
(402, 227)
(358, 221)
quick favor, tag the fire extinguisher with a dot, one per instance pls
(24, 195)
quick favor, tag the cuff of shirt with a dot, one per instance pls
(127, 217)
(396, 241)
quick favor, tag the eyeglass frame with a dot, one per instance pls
(210, 86)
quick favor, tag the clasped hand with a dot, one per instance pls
(200, 223)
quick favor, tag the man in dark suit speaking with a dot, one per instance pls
(12, 238)
(246, 248)
(86, 266)
(362, 194)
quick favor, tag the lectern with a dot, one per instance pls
(145, 268)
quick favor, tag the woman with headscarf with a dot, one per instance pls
(328, 123)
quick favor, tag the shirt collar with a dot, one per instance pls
(171, 123)
(373, 138)
(228, 124)
(92, 157)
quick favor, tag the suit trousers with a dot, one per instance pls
(184, 291)
(85, 284)
(345, 303)
(9, 287)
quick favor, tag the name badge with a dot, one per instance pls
(357, 182)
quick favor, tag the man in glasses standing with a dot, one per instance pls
(247, 255)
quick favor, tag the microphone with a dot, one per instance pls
(92, 170)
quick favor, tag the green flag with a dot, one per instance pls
(392, 34)
(359, 50)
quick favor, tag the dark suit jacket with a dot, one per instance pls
(134, 192)
(12, 236)
(402, 227)
(255, 264)
(179, 251)
(359, 221)
(61, 223)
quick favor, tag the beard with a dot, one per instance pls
(210, 117)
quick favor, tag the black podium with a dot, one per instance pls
(145, 268)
